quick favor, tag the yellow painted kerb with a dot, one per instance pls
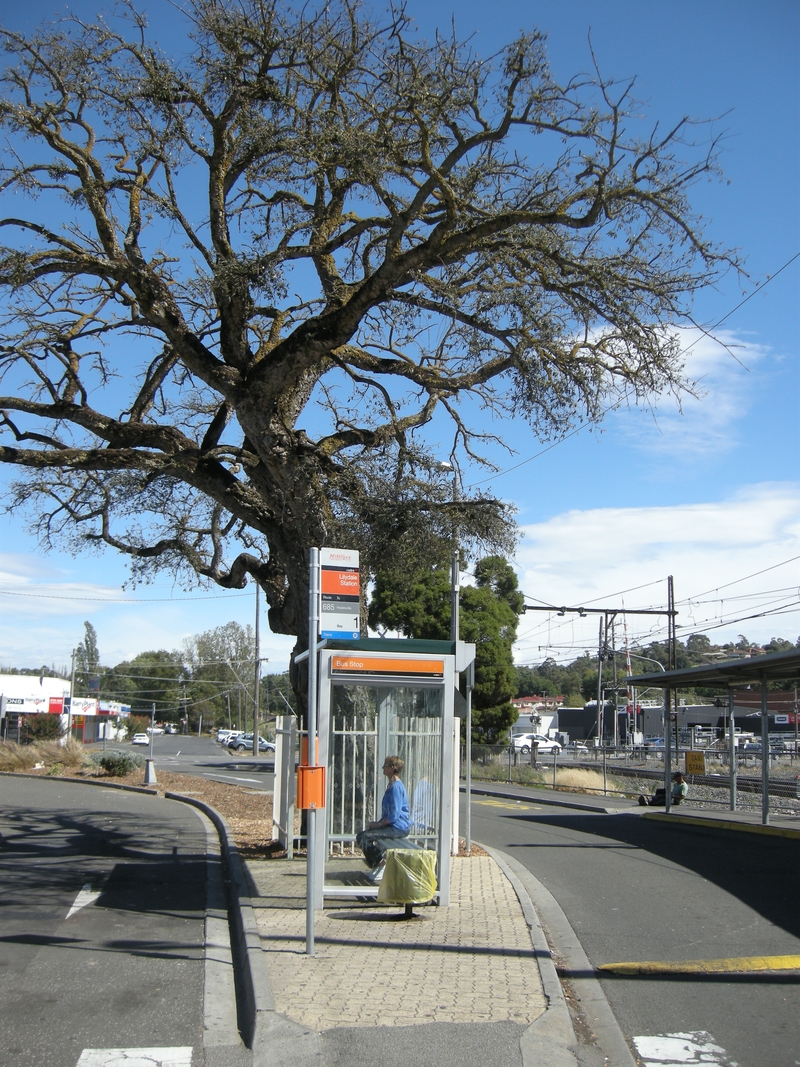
(733, 965)
(723, 824)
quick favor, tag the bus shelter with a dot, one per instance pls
(379, 698)
(732, 674)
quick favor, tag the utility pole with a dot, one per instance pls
(256, 679)
(71, 695)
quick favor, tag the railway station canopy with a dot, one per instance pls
(733, 673)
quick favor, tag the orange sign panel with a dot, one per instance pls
(361, 664)
(345, 582)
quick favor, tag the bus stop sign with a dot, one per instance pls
(340, 594)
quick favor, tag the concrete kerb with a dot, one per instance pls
(551, 1039)
(84, 781)
(271, 1037)
(539, 797)
(686, 819)
(255, 995)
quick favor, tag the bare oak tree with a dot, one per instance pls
(247, 290)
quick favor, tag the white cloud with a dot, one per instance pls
(41, 621)
(713, 420)
(588, 558)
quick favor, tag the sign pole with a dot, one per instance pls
(311, 735)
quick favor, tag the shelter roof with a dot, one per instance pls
(776, 666)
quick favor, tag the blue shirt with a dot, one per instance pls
(395, 807)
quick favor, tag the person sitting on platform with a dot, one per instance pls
(395, 820)
(659, 799)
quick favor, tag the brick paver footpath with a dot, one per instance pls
(471, 962)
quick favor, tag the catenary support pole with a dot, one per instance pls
(600, 684)
(667, 751)
(764, 754)
(732, 750)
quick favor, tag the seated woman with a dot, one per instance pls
(659, 799)
(395, 820)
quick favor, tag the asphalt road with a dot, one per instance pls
(189, 754)
(634, 890)
(102, 903)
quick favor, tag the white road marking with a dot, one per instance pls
(136, 1057)
(678, 1050)
(231, 778)
(86, 896)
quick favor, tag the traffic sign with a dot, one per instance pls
(695, 763)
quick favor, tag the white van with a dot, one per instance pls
(224, 736)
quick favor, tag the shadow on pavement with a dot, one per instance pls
(761, 871)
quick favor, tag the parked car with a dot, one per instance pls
(522, 744)
(245, 741)
(753, 748)
(140, 739)
(170, 728)
(155, 729)
(224, 735)
(576, 748)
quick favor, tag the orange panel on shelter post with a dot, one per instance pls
(304, 751)
(310, 787)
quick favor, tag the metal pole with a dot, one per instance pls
(600, 683)
(71, 697)
(764, 754)
(313, 635)
(667, 752)
(455, 579)
(152, 725)
(256, 680)
(616, 691)
(732, 750)
(468, 825)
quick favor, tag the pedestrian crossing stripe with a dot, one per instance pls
(177, 1056)
(682, 1050)
(730, 965)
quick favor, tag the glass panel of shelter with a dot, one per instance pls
(367, 723)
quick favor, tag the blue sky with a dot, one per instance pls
(709, 493)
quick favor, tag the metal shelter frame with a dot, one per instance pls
(733, 674)
(364, 664)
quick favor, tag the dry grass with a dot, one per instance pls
(14, 757)
(581, 780)
(56, 758)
